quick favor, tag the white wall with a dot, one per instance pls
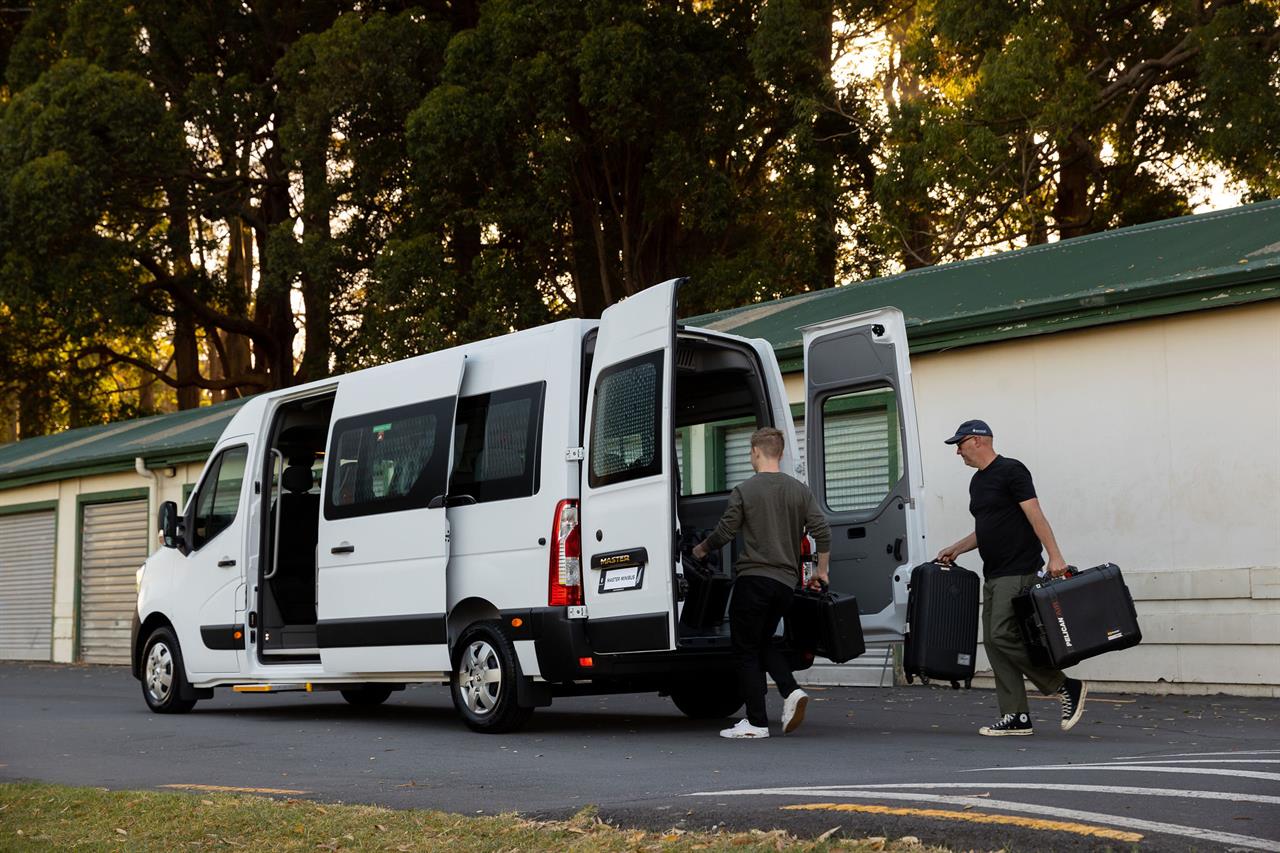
(1155, 445)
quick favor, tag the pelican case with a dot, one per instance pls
(1073, 618)
(942, 624)
(825, 623)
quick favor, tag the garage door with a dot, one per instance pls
(26, 586)
(737, 455)
(114, 544)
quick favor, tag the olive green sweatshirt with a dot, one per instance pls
(773, 511)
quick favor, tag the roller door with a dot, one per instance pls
(26, 586)
(113, 545)
(858, 464)
(737, 455)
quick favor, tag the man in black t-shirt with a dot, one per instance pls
(1009, 531)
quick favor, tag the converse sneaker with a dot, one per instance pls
(793, 710)
(744, 729)
(1010, 724)
(1072, 693)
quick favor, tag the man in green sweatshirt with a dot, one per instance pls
(773, 511)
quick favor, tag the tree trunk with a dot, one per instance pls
(318, 274)
(186, 359)
(1072, 210)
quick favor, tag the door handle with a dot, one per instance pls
(343, 548)
(226, 563)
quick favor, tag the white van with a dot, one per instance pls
(507, 516)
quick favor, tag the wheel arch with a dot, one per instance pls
(468, 612)
(151, 623)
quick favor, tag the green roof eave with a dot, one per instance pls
(1065, 316)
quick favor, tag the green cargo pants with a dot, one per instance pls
(1005, 649)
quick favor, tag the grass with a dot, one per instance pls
(56, 817)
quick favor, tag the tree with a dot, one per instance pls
(1010, 122)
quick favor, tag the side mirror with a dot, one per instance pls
(169, 524)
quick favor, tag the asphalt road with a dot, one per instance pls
(1171, 773)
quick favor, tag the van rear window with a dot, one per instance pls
(497, 444)
(388, 461)
(626, 420)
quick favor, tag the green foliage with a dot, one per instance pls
(224, 197)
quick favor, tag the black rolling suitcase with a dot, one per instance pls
(1069, 619)
(825, 623)
(942, 624)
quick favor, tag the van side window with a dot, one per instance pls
(219, 496)
(626, 420)
(497, 443)
(388, 461)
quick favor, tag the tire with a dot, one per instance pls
(164, 678)
(713, 699)
(485, 674)
(367, 695)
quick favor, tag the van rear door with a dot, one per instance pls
(383, 542)
(628, 483)
(863, 461)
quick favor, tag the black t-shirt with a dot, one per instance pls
(1006, 540)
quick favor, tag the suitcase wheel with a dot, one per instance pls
(910, 678)
(924, 679)
(955, 685)
(968, 683)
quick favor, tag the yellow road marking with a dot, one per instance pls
(974, 817)
(229, 789)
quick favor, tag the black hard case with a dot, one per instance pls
(825, 623)
(1070, 619)
(707, 595)
(942, 624)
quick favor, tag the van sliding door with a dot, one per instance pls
(864, 460)
(628, 492)
(383, 543)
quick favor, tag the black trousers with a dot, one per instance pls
(758, 603)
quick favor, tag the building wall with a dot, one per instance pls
(66, 492)
(1153, 445)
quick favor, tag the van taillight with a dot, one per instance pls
(565, 587)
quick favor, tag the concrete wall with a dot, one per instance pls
(1154, 445)
(65, 492)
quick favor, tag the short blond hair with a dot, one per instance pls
(770, 441)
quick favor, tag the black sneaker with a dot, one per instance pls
(1072, 693)
(1010, 724)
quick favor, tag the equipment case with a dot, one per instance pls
(942, 624)
(1073, 618)
(825, 623)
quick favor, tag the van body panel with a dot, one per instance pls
(864, 460)
(628, 482)
(381, 550)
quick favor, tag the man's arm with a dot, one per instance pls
(816, 523)
(1040, 524)
(949, 553)
(725, 530)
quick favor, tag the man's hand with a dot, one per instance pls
(1057, 567)
(700, 551)
(948, 554)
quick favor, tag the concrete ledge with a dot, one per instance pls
(1160, 688)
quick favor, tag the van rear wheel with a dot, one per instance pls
(485, 674)
(164, 679)
(713, 699)
(367, 695)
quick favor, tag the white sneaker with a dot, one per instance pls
(744, 729)
(793, 710)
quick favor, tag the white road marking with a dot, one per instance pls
(1140, 768)
(1199, 761)
(1049, 786)
(1246, 841)
(1197, 754)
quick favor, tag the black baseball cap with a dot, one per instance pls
(967, 429)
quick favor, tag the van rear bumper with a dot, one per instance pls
(562, 644)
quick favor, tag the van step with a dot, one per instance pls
(272, 688)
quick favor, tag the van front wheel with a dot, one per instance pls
(163, 678)
(485, 674)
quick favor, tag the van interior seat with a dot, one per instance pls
(294, 583)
